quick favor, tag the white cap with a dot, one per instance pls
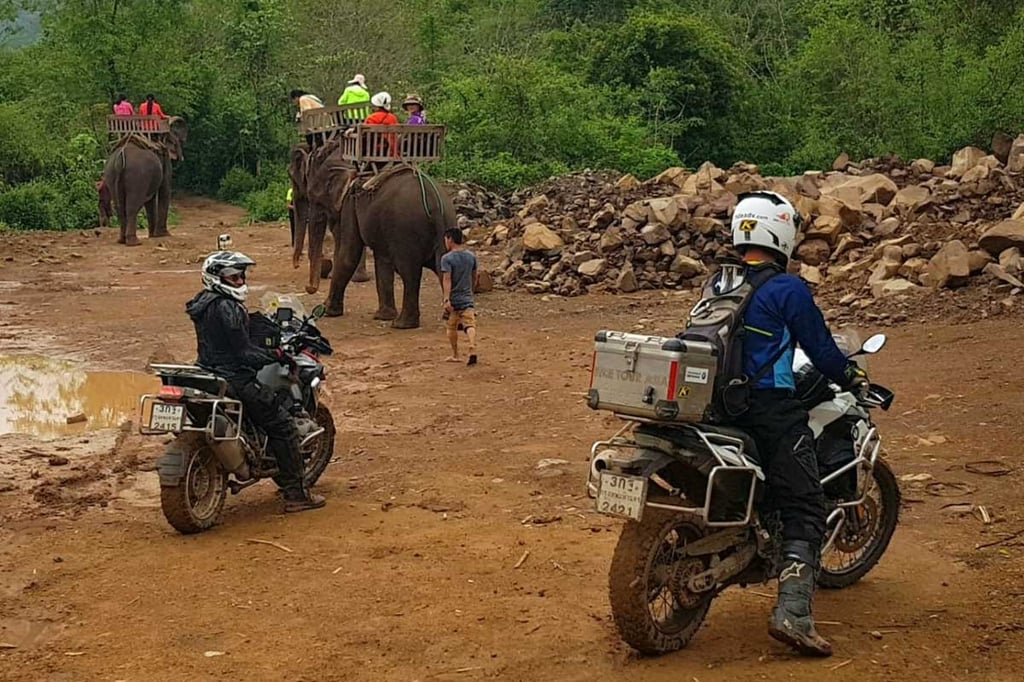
(358, 78)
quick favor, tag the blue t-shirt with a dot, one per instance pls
(461, 265)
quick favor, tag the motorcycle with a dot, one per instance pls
(691, 494)
(216, 447)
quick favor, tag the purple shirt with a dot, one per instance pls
(417, 119)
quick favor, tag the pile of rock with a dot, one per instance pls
(878, 229)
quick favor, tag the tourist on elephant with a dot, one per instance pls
(355, 92)
(150, 107)
(458, 280)
(123, 107)
(382, 116)
(414, 106)
(305, 101)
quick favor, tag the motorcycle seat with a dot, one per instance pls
(684, 435)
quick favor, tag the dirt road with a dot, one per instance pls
(409, 573)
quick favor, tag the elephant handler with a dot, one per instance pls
(222, 335)
(458, 280)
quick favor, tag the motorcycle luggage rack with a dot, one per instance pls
(221, 406)
(720, 500)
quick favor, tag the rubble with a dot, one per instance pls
(876, 230)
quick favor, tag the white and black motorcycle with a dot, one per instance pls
(216, 447)
(691, 494)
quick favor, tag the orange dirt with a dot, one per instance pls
(409, 573)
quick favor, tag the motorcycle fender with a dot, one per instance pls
(171, 467)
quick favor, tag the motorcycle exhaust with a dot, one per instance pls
(229, 452)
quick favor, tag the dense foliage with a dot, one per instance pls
(528, 88)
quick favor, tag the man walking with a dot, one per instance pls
(458, 280)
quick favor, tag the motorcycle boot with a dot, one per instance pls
(289, 462)
(792, 622)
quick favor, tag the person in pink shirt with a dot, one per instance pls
(123, 106)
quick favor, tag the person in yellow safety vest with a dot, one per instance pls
(355, 92)
(291, 213)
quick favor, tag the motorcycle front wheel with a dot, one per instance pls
(865, 534)
(652, 608)
(323, 448)
(195, 504)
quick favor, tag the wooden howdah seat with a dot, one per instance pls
(151, 127)
(321, 123)
(398, 143)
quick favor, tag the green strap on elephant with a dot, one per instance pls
(423, 194)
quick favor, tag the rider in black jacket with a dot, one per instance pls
(222, 334)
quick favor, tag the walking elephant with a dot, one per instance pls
(402, 220)
(315, 214)
(138, 174)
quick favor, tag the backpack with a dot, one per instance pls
(718, 319)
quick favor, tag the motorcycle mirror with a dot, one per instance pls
(319, 311)
(874, 344)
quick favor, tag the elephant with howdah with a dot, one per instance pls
(138, 174)
(315, 216)
(402, 220)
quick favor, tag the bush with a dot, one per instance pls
(237, 184)
(29, 206)
(268, 204)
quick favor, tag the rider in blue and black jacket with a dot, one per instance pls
(781, 314)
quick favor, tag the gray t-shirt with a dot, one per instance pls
(461, 264)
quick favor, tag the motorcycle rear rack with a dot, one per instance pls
(711, 495)
(226, 407)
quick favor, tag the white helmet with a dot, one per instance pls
(767, 220)
(223, 264)
(382, 100)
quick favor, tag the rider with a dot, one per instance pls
(781, 314)
(222, 335)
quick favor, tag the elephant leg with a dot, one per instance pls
(347, 259)
(132, 225)
(410, 316)
(152, 219)
(384, 273)
(361, 274)
(163, 205)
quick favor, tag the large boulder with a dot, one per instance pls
(1002, 236)
(922, 166)
(827, 228)
(893, 287)
(534, 206)
(626, 282)
(593, 267)
(874, 189)
(813, 251)
(686, 267)
(848, 214)
(539, 237)
(1015, 157)
(977, 260)
(841, 163)
(666, 210)
(912, 198)
(950, 267)
(810, 274)
(1001, 146)
(964, 160)
(671, 176)
(627, 182)
(655, 233)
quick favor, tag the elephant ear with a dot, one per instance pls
(178, 128)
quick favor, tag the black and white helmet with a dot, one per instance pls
(223, 264)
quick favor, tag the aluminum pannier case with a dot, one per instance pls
(653, 377)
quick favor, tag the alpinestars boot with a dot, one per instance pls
(792, 622)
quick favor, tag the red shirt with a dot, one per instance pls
(155, 110)
(389, 145)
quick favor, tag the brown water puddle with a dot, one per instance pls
(38, 394)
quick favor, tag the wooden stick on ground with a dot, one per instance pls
(522, 559)
(1011, 536)
(268, 542)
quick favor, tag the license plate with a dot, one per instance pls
(166, 417)
(619, 495)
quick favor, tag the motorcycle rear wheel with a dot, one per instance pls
(875, 538)
(646, 572)
(195, 504)
(324, 447)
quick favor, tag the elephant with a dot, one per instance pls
(402, 220)
(313, 213)
(138, 173)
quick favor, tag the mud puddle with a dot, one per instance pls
(38, 395)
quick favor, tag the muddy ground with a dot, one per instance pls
(434, 496)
